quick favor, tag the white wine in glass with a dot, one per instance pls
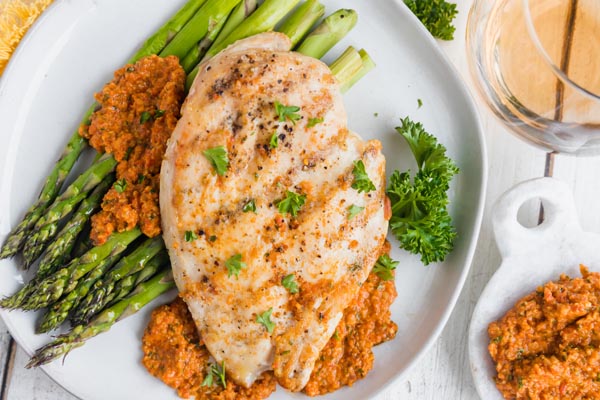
(537, 65)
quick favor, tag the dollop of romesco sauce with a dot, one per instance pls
(137, 112)
(348, 356)
(548, 345)
(174, 353)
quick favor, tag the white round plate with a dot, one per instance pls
(530, 258)
(73, 50)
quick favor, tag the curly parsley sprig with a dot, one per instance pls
(436, 15)
(420, 218)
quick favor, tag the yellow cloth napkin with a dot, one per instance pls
(16, 16)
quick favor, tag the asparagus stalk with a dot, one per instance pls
(157, 42)
(60, 248)
(262, 20)
(348, 64)
(47, 226)
(60, 310)
(239, 13)
(328, 33)
(15, 240)
(350, 67)
(299, 23)
(125, 286)
(98, 297)
(66, 279)
(36, 243)
(197, 27)
(84, 242)
(121, 290)
(367, 65)
(142, 295)
(195, 54)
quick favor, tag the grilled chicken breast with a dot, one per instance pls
(214, 223)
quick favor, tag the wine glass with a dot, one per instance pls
(536, 64)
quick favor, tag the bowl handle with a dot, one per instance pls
(560, 217)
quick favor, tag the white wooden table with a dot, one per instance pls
(443, 372)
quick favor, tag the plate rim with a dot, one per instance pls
(465, 93)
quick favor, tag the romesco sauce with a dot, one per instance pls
(348, 356)
(137, 112)
(547, 346)
(174, 353)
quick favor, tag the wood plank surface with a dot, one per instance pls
(5, 345)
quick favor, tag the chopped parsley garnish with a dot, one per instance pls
(420, 218)
(314, 121)
(120, 185)
(250, 206)
(208, 380)
(212, 238)
(291, 204)
(274, 142)
(216, 372)
(287, 112)
(265, 320)
(289, 282)
(419, 103)
(190, 236)
(234, 265)
(128, 153)
(141, 178)
(361, 182)
(354, 210)
(384, 267)
(145, 117)
(218, 158)
(436, 15)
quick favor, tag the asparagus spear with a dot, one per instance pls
(14, 241)
(262, 20)
(328, 33)
(86, 312)
(346, 65)
(142, 295)
(65, 279)
(60, 248)
(195, 54)
(197, 27)
(96, 299)
(367, 65)
(157, 42)
(350, 67)
(60, 171)
(47, 226)
(84, 242)
(239, 13)
(60, 310)
(300, 22)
